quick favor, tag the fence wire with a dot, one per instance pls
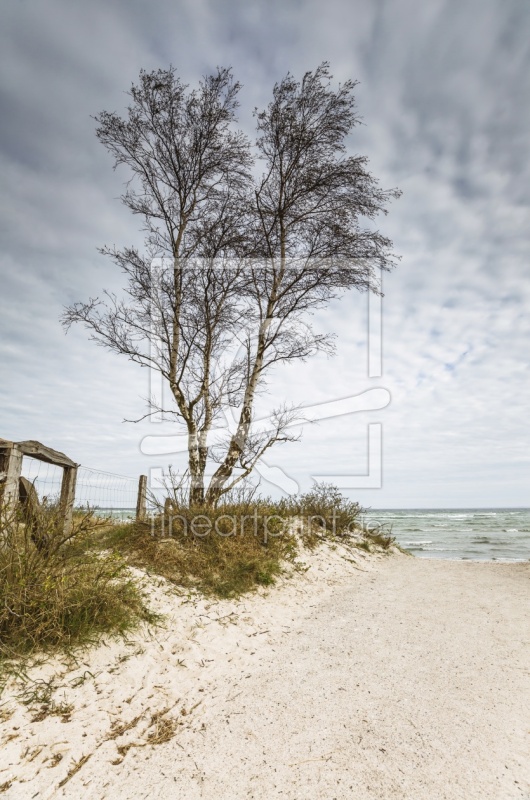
(46, 478)
(106, 493)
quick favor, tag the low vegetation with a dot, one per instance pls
(57, 591)
(224, 552)
(243, 542)
(61, 595)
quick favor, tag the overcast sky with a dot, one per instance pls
(444, 97)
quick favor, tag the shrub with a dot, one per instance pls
(382, 537)
(63, 594)
(325, 506)
(225, 551)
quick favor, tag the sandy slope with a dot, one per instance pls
(391, 677)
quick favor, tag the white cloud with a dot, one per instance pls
(442, 92)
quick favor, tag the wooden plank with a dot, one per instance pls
(12, 466)
(43, 453)
(66, 502)
(141, 503)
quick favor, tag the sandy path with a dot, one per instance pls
(408, 680)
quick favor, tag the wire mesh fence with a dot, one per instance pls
(46, 478)
(35, 475)
(106, 493)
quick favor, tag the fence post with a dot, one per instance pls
(141, 503)
(10, 469)
(66, 501)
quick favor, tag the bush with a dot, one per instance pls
(63, 594)
(225, 551)
(326, 507)
(382, 536)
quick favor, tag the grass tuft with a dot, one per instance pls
(380, 538)
(239, 545)
(227, 562)
(61, 596)
(163, 728)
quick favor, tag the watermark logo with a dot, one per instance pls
(180, 523)
(372, 399)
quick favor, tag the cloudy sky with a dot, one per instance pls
(444, 94)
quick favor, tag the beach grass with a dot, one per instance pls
(224, 552)
(58, 592)
(63, 594)
(241, 544)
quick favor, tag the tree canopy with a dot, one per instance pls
(242, 242)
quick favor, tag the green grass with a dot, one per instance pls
(240, 545)
(64, 595)
(57, 592)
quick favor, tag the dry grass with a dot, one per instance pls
(380, 538)
(118, 729)
(63, 595)
(238, 546)
(163, 728)
(222, 563)
(74, 769)
(63, 710)
(6, 713)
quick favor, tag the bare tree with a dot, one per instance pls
(191, 182)
(249, 260)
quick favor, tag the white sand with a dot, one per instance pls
(390, 678)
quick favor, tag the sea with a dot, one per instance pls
(475, 534)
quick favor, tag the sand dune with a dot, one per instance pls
(375, 677)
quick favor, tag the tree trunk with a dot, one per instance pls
(197, 494)
(224, 472)
(196, 467)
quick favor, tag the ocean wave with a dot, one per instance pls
(437, 549)
(417, 543)
(477, 534)
(457, 530)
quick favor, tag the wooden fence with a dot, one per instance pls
(12, 484)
